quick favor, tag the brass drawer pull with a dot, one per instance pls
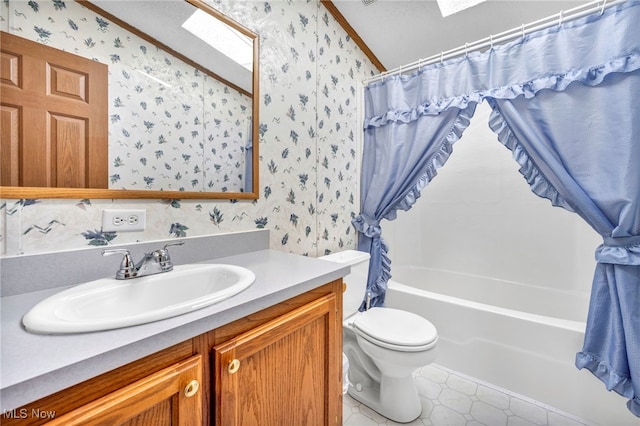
(192, 388)
(233, 366)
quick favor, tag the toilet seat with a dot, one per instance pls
(396, 329)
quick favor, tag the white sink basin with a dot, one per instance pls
(109, 303)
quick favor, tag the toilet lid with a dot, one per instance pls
(395, 327)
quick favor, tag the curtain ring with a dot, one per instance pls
(604, 3)
(560, 18)
(523, 31)
(491, 40)
(441, 56)
(466, 49)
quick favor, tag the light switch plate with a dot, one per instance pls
(121, 220)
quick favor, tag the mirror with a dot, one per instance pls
(183, 116)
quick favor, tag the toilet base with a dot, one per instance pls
(396, 398)
(383, 379)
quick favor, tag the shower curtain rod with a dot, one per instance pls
(557, 19)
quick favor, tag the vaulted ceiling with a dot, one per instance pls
(399, 32)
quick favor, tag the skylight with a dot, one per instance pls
(449, 7)
(221, 37)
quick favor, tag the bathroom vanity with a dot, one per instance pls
(269, 355)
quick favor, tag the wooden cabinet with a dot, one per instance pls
(129, 390)
(290, 373)
(284, 372)
(167, 397)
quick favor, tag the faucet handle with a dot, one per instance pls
(127, 267)
(177, 243)
(164, 258)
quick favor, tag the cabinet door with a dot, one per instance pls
(284, 372)
(168, 397)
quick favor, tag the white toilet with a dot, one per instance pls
(384, 346)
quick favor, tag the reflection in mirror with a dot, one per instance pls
(176, 124)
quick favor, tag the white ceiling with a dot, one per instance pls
(400, 32)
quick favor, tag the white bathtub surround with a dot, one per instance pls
(451, 398)
(530, 354)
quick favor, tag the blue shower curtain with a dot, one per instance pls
(566, 102)
(587, 160)
(401, 157)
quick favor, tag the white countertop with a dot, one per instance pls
(33, 366)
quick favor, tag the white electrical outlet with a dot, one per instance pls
(123, 220)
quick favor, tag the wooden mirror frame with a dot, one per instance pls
(23, 192)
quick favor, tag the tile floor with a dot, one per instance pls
(449, 398)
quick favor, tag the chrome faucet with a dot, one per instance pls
(154, 262)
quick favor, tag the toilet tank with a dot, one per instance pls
(356, 281)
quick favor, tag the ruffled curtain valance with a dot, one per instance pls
(565, 101)
(584, 50)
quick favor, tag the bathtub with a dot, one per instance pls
(518, 337)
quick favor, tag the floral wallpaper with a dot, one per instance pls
(172, 127)
(309, 136)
